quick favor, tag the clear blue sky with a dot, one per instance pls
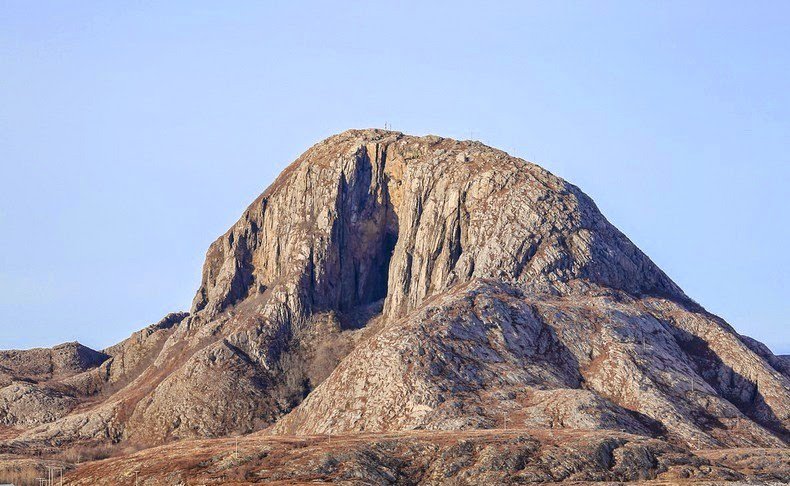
(133, 134)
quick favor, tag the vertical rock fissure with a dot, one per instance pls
(365, 233)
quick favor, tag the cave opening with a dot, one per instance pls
(379, 274)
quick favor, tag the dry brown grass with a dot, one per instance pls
(306, 459)
(20, 477)
(24, 467)
(88, 453)
(82, 453)
(22, 473)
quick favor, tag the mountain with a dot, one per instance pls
(419, 299)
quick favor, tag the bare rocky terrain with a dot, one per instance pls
(415, 310)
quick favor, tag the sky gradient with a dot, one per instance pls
(133, 134)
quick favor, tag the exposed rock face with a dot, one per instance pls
(388, 283)
(127, 359)
(30, 392)
(27, 404)
(44, 364)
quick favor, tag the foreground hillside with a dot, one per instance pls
(417, 295)
(493, 456)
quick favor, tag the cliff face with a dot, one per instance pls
(367, 215)
(387, 282)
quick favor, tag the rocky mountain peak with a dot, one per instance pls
(388, 283)
(369, 214)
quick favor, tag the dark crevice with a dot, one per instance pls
(364, 236)
(380, 271)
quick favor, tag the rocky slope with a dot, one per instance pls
(46, 364)
(392, 283)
